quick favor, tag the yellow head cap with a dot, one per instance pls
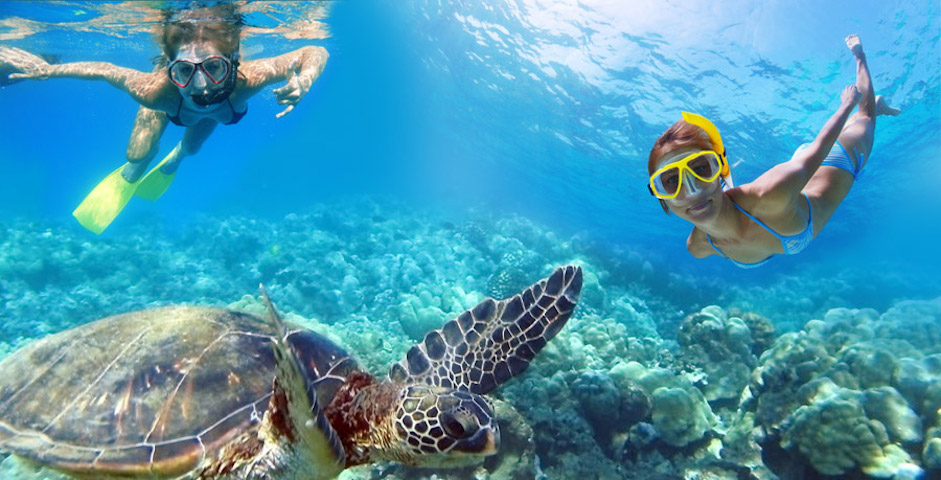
(713, 132)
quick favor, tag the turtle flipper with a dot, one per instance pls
(294, 410)
(494, 341)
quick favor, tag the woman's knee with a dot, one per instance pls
(190, 148)
(144, 143)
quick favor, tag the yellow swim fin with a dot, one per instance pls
(156, 182)
(105, 202)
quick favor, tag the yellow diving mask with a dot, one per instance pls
(705, 165)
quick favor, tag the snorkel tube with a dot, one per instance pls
(713, 132)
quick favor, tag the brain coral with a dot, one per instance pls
(679, 411)
(836, 435)
(852, 392)
(721, 347)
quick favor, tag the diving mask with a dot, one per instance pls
(216, 68)
(705, 165)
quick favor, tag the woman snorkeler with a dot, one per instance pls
(199, 83)
(784, 208)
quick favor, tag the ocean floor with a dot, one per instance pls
(656, 376)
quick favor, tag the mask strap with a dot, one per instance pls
(726, 182)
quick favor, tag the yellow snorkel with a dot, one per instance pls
(713, 132)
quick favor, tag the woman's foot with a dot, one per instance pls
(883, 108)
(169, 165)
(855, 45)
(133, 171)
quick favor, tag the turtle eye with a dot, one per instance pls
(458, 426)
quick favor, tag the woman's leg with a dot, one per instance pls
(149, 126)
(859, 132)
(830, 185)
(193, 139)
(156, 182)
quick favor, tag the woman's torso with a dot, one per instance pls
(226, 112)
(751, 242)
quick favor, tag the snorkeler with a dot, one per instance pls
(784, 208)
(199, 83)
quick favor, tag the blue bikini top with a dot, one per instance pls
(792, 245)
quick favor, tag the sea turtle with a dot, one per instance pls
(194, 392)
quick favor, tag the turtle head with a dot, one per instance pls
(438, 426)
(430, 411)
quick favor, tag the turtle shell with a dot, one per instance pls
(158, 391)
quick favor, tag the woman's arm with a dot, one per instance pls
(784, 181)
(145, 88)
(300, 68)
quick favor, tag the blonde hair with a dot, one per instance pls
(220, 24)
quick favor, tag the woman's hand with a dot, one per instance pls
(303, 71)
(299, 82)
(850, 95)
(29, 65)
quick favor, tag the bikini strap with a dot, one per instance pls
(736, 262)
(858, 157)
(714, 247)
(759, 222)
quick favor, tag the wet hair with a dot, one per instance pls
(221, 24)
(679, 135)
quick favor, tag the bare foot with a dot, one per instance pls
(855, 45)
(883, 108)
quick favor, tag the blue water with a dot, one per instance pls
(533, 110)
(548, 110)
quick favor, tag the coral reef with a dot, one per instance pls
(722, 348)
(851, 392)
(836, 431)
(679, 413)
(649, 379)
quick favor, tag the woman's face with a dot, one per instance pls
(201, 73)
(696, 201)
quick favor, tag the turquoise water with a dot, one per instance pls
(452, 151)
